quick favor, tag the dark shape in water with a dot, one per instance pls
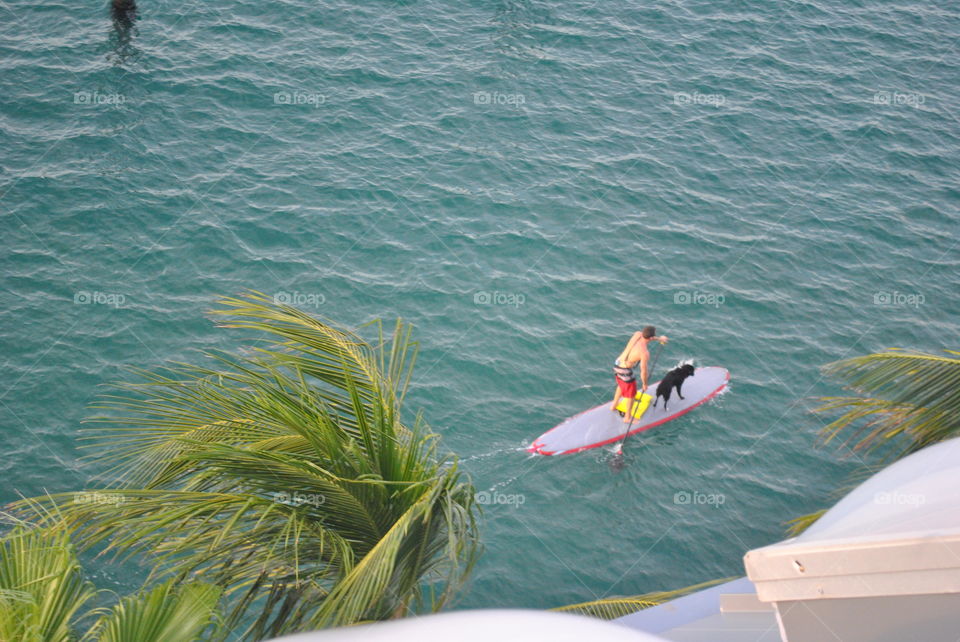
(617, 462)
(124, 12)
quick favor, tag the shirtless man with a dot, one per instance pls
(635, 352)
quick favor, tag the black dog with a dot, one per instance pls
(673, 379)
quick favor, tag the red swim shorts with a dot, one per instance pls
(627, 388)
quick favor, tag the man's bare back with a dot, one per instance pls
(634, 352)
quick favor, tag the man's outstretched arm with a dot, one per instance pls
(643, 371)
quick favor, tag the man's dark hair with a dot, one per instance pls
(648, 332)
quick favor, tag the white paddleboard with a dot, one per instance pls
(601, 426)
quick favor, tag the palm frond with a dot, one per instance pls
(797, 525)
(418, 537)
(42, 587)
(612, 608)
(169, 611)
(916, 402)
(284, 475)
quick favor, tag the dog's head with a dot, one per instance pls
(686, 369)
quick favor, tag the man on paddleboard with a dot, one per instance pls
(635, 352)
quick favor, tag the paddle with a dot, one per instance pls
(618, 452)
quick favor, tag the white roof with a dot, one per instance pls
(919, 494)
(898, 533)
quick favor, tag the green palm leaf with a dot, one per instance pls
(166, 612)
(42, 591)
(916, 400)
(283, 475)
(797, 525)
(41, 585)
(612, 608)
(917, 405)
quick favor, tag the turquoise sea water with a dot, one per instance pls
(774, 185)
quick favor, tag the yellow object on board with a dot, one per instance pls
(639, 407)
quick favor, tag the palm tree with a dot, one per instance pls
(42, 590)
(909, 400)
(284, 475)
(916, 404)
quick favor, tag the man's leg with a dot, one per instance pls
(630, 393)
(627, 418)
(616, 398)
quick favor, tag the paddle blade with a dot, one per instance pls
(617, 462)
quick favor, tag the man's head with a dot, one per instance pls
(648, 332)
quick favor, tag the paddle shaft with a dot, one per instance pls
(630, 404)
